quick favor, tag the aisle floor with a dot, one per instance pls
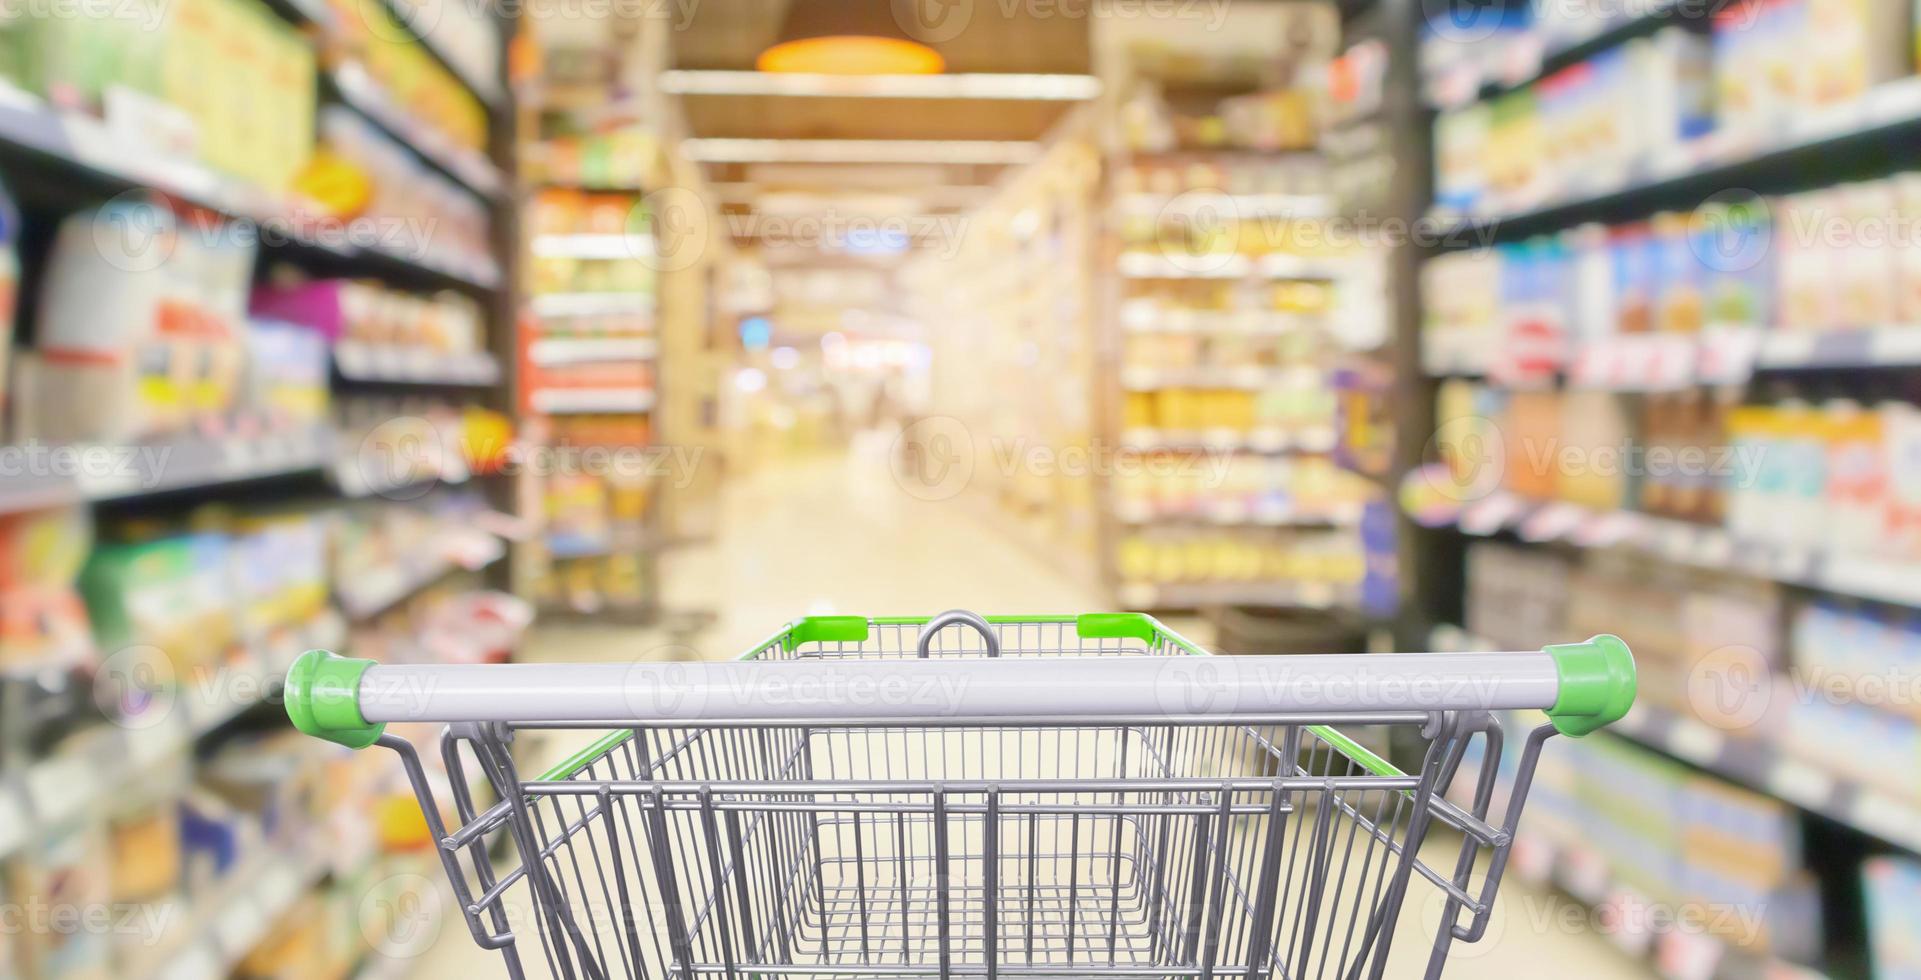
(836, 536)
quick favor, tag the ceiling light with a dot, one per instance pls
(967, 152)
(838, 37)
(1002, 87)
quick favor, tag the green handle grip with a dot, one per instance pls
(1597, 684)
(323, 699)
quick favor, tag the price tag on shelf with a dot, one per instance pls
(1552, 522)
(239, 927)
(15, 821)
(1889, 818)
(62, 787)
(196, 963)
(1685, 955)
(1489, 515)
(1585, 874)
(1533, 859)
(1727, 353)
(1895, 346)
(1607, 530)
(1627, 919)
(1795, 780)
(1695, 741)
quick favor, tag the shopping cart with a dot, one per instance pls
(959, 796)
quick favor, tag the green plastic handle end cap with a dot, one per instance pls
(323, 699)
(1597, 684)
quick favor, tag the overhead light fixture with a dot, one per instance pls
(963, 152)
(839, 37)
(998, 87)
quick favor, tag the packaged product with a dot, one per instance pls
(1805, 269)
(66, 869)
(174, 593)
(1857, 478)
(9, 295)
(1680, 302)
(42, 618)
(1907, 251)
(1891, 890)
(140, 328)
(1867, 292)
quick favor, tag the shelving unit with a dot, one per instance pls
(1219, 298)
(1602, 358)
(57, 161)
(1011, 320)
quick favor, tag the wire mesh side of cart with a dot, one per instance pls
(1148, 846)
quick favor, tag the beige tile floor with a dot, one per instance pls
(838, 536)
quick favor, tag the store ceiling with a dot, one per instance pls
(727, 35)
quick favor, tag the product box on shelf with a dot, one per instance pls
(143, 338)
(42, 617)
(1891, 890)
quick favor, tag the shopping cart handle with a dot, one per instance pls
(323, 698)
(1581, 686)
(1597, 684)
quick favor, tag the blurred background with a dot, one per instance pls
(469, 331)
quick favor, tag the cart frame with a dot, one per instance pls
(859, 797)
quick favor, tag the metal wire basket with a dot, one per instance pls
(959, 796)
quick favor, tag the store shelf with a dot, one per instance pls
(1252, 377)
(1314, 440)
(372, 593)
(1723, 354)
(1225, 206)
(358, 90)
(585, 246)
(1709, 165)
(592, 401)
(592, 304)
(1196, 595)
(1150, 319)
(368, 364)
(553, 351)
(1236, 513)
(56, 476)
(82, 148)
(1753, 763)
(1151, 265)
(56, 791)
(230, 928)
(1466, 88)
(485, 89)
(1877, 347)
(1628, 917)
(1697, 545)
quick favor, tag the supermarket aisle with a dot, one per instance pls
(837, 536)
